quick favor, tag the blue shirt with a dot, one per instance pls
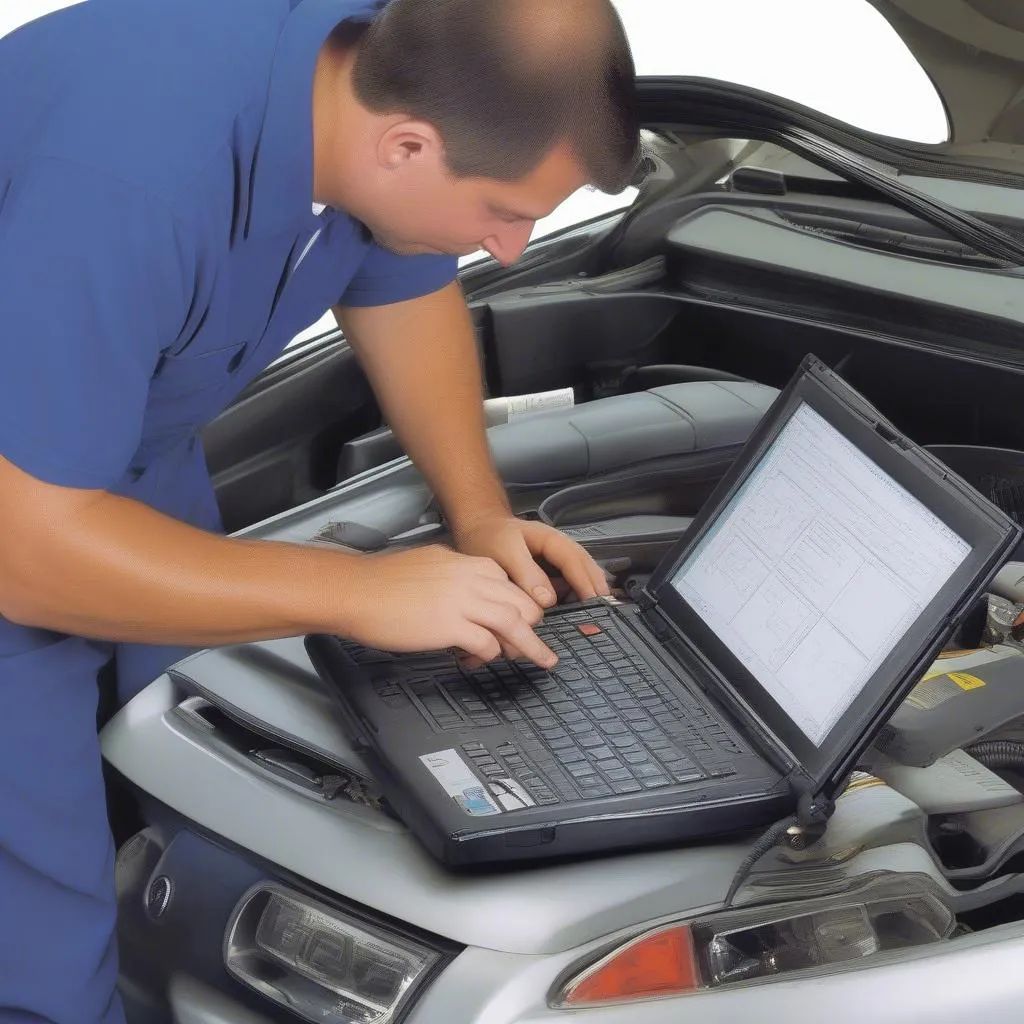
(156, 171)
(156, 213)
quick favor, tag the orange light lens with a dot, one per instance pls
(657, 965)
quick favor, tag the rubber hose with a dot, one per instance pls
(999, 753)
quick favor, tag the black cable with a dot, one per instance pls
(999, 753)
(767, 842)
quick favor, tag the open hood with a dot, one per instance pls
(973, 51)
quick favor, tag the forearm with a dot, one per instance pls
(423, 364)
(123, 572)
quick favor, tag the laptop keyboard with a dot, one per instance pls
(602, 723)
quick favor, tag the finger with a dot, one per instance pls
(469, 662)
(528, 608)
(528, 575)
(479, 643)
(602, 584)
(581, 572)
(511, 629)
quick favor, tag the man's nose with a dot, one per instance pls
(507, 245)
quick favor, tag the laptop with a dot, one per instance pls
(738, 687)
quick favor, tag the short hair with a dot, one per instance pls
(501, 97)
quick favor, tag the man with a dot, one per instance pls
(185, 184)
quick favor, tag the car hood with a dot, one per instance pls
(355, 850)
(973, 51)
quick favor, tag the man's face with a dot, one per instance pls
(421, 208)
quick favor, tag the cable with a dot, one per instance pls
(768, 841)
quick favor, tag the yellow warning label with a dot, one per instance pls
(965, 681)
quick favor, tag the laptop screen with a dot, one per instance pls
(816, 569)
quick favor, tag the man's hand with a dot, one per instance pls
(430, 598)
(515, 545)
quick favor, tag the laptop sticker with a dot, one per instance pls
(460, 783)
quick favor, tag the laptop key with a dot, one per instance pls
(626, 786)
(655, 781)
(635, 757)
(568, 674)
(554, 732)
(622, 741)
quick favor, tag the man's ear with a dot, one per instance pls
(408, 142)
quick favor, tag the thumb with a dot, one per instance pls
(526, 574)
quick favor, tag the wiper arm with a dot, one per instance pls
(986, 238)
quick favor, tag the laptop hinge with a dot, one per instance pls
(646, 602)
(813, 808)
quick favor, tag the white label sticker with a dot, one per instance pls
(460, 783)
(526, 405)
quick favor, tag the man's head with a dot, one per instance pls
(453, 125)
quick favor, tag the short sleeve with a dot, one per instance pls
(384, 277)
(91, 283)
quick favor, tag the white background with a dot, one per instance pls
(838, 56)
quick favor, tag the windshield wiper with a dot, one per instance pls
(891, 240)
(984, 238)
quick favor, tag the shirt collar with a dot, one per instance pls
(283, 173)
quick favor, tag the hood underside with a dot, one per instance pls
(973, 51)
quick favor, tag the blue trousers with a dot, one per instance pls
(58, 951)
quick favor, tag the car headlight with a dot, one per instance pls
(760, 943)
(322, 963)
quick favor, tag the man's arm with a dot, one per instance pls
(421, 358)
(94, 564)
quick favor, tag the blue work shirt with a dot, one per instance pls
(156, 215)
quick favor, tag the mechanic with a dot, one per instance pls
(183, 187)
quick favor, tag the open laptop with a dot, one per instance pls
(811, 593)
